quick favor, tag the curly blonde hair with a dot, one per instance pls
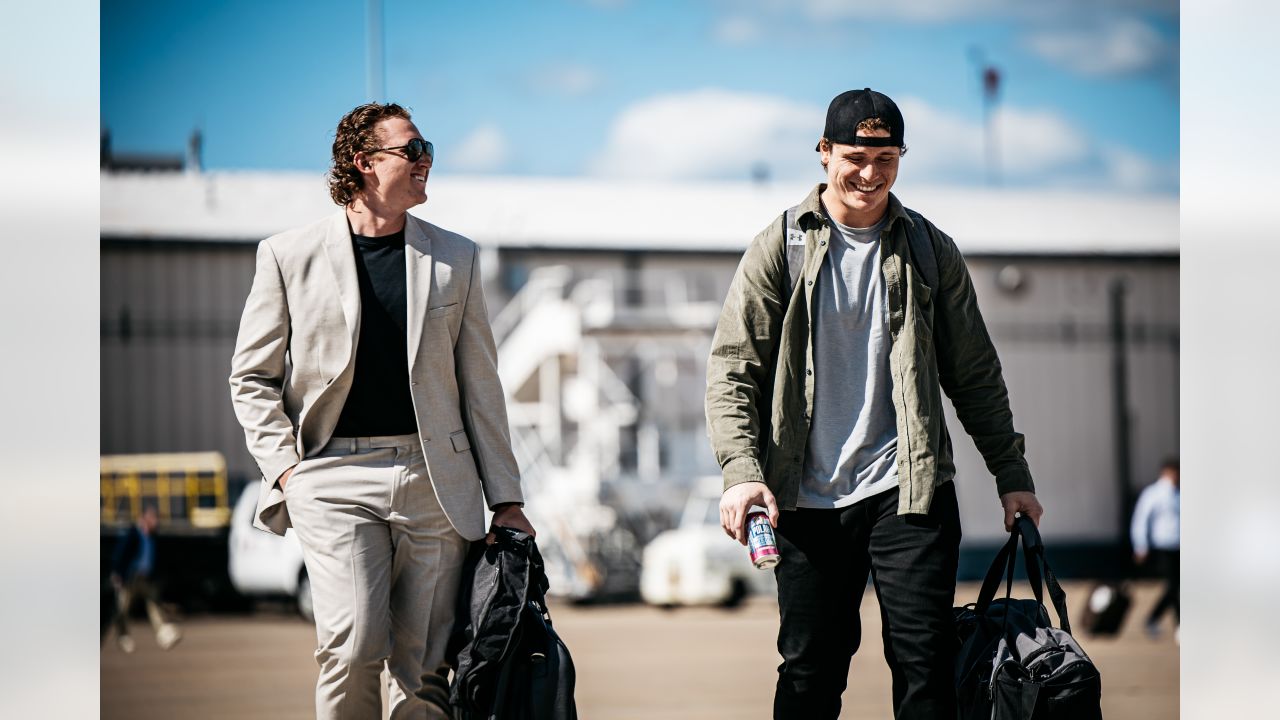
(357, 131)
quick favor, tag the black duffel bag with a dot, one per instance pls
(509, 663)
(1013, 663)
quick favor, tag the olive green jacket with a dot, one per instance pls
(760, 373)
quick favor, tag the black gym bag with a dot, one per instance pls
(1013, 664)
(509, 663)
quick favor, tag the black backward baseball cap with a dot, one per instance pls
(852, 107)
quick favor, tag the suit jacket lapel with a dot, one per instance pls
(417, 261)
(337, 246)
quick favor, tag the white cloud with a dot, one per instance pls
(919, 10)
(1115, 48)
(565, 79)
(736, 30)
(1091, 37)
(1034, 147)
(1037, 141)
(944, 10)
(1129, 170)
(719, 134)
(485, 149)
(1030, 144)
(712, 133)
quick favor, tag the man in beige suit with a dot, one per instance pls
(365, 376)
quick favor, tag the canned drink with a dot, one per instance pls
(764, 547)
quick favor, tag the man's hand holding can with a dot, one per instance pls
(737, 500)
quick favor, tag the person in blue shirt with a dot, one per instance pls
(1155, 533)
(132, 565)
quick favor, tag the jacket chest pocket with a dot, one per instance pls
(922, 308)
(443, 319)
(444, 311)
(460, 441)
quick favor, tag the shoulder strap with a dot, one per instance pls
(793, 247)
(923, 255)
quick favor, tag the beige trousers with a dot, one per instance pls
(384, 564)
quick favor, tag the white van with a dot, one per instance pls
(262, 564)
(696, 563)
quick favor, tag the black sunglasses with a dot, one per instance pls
(413, 150)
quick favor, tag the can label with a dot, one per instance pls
(760, 539)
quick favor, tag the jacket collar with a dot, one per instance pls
(337, 247)
(417, 258)
(810, 215)
(417, 237)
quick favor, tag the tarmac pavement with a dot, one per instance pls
(632, 662)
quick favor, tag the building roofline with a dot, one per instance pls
(614, 215)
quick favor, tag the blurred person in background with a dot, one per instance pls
(1156, 535)
(365, 377)
(823, 407)
(132, 566)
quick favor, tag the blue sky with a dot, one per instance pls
(702, 89)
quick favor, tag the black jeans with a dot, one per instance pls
(826, 556)
(1167, 561)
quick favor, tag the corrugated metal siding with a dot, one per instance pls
(164, 385)
(1055, 346)
(169, 318)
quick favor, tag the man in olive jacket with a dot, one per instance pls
(823, 405)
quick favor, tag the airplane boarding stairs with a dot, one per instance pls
(567, 410)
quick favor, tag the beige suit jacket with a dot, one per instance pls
(295, 356)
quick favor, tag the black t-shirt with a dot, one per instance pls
(379, 402)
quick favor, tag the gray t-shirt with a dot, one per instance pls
(853, 438)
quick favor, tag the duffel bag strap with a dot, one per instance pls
(999, 565)
(1039, 574)
(1033, 550)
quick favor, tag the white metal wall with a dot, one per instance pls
(164, 379)
(1054, 344)
(169, 316)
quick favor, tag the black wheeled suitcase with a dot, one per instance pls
(1105, 608)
